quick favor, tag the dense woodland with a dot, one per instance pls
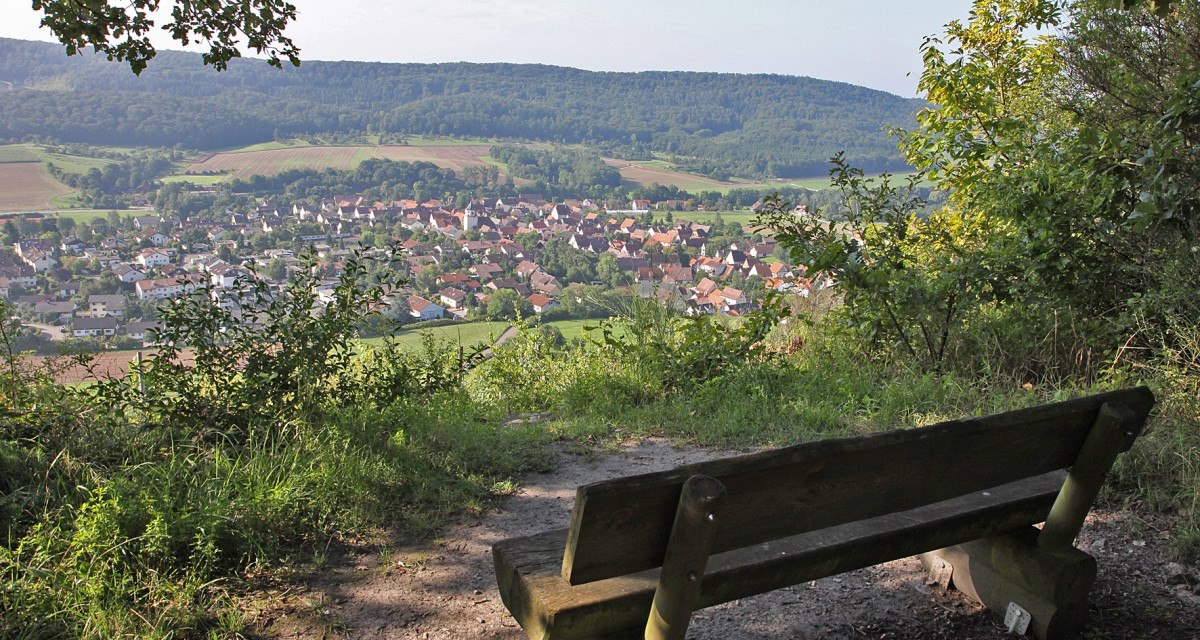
(721, 124)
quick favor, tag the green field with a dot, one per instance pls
(16, 153)
(86, 216)
(425, 141)
(572, 329)
(71, 163)
(741, 216)
(266, 146)
(194, 179)
(576, 329)
(466, 334)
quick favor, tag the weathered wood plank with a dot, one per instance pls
(622, 526)
(549, 608)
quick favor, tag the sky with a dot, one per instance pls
(874, 43)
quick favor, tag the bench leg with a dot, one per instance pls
(686, 559)
(1012, 569)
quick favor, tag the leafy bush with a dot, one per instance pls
(126, 505)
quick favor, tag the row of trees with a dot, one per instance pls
(565, 172)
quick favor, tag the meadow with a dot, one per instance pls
(466, 334)
(645, 173)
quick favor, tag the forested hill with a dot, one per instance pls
(745, 124)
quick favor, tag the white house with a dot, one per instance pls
(452, 298)
(139, 330)
(224, 275)
(153, 258)
(126, 273)
(39, 260)
(423, 309)
(541, 303)
(163, 288)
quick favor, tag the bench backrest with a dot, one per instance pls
(623, 525)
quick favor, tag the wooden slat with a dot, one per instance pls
(622, 526)
(549, 608)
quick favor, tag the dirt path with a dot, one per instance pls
(505, 336)
(446, 590)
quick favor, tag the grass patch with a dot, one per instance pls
(75, 164)
(743, 217)
(16, 153)
(67, 201)
(274, 144)
(429, 141)
(198, 180)
(573, 329)
(84, 217)
(466, 334)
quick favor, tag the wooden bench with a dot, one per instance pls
(643, 552)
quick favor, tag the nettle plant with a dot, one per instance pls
(231, 355)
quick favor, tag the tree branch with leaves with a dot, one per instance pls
(121, 30)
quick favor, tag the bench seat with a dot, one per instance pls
(529, 574)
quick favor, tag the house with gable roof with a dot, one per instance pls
(421, 309)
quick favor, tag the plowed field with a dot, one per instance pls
(24, 186)
(642, 175)
(243, 164)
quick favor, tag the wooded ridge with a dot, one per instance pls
(722, 124)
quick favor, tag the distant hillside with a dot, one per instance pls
(710, 123)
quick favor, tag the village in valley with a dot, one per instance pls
(495, 258)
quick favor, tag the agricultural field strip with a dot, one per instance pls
(242, 164)
(16, 153)
(26, 186)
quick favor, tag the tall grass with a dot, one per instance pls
(818, 379)
(116, 528)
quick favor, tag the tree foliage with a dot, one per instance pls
(121, 30)
(1065, 136)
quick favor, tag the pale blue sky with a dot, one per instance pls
(868, 42)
